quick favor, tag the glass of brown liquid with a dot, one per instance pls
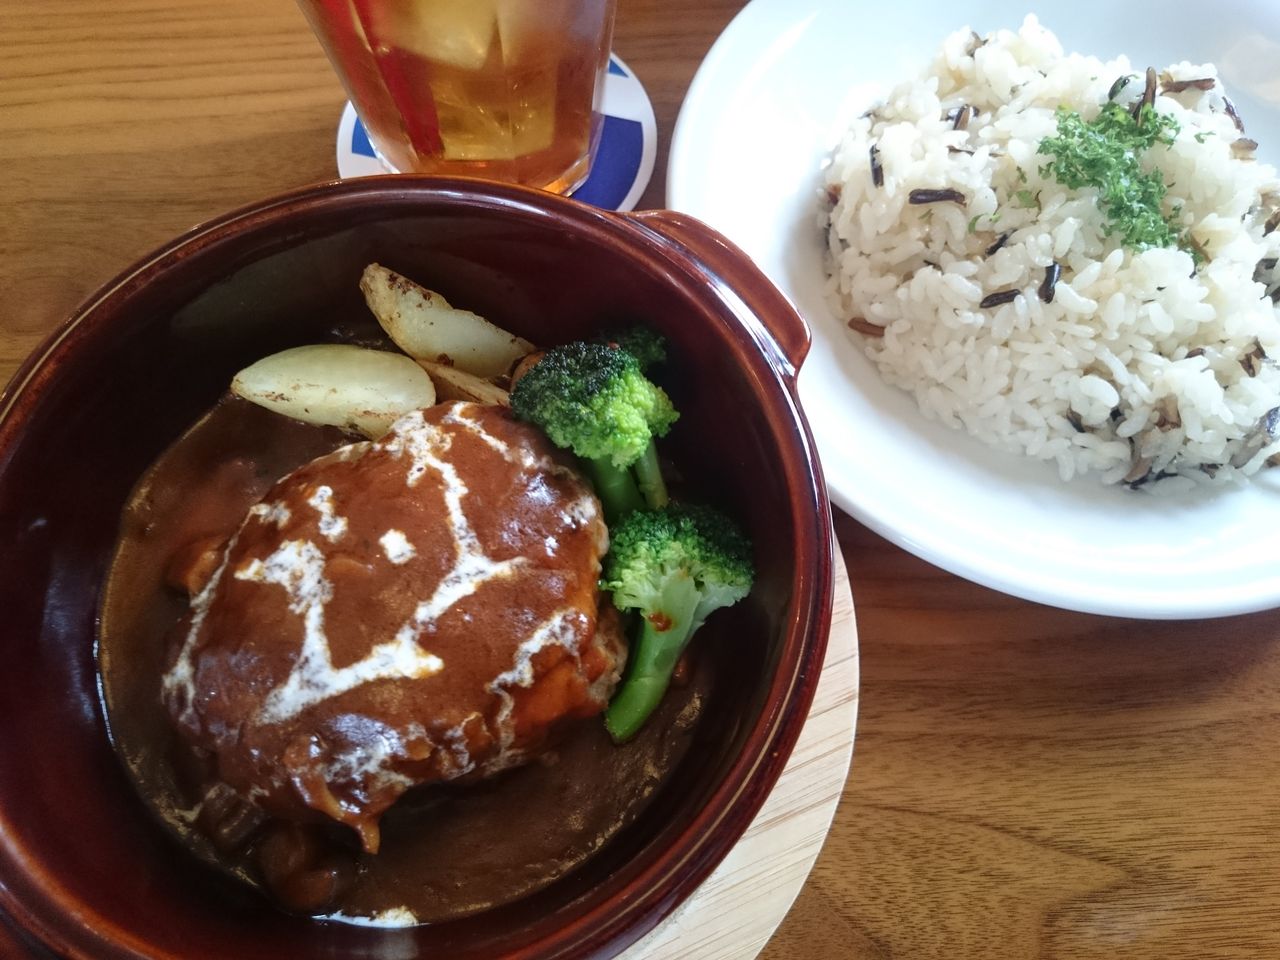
(500, 89)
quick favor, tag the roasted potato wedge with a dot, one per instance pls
(337, 385)
(454, 384)
(425, 326)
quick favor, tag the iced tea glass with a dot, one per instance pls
(500, 89)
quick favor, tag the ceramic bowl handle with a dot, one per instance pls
(727, 265)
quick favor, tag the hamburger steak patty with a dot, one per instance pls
(414, 610)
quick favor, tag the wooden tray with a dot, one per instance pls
(733, 914)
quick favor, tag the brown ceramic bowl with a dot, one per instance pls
(84, 869)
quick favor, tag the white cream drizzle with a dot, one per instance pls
(471, 567)
(411, 435)
(397, 547)
(456, 416)
(391, 917)
(352, 451)
(276, 513)
(332, 527)
(370, 760)
(180, 680)
(469, 572)
(556, 630)
(523, 458)
(455, 738)
(298, 566)
(580, 512)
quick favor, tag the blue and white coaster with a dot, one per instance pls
(623, 164)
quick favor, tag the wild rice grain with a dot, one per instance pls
(935, 196)
(1050, 285)
(999, 298)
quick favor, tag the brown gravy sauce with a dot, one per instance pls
(447, 851)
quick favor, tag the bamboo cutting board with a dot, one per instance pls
(733, 914)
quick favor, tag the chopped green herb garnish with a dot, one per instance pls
(973, 223)
(1200, 137)
(1022, 175)
(1026, 198)
(1103, 153)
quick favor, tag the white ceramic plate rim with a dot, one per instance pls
(765, 107)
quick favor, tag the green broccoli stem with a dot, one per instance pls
(664, 633)
(649, 478)
(616, 489)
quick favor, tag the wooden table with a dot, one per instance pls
(1027, 782)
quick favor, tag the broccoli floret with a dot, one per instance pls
(594, 399)
(647, 347)
(675, 567)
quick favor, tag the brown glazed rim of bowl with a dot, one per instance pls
(768, 337)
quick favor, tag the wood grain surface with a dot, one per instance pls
(1027, 783)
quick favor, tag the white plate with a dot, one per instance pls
(769, 102)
